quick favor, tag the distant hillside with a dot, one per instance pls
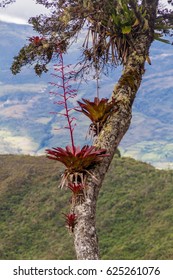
(134, 214)
(27, 127)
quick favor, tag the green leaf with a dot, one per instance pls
(163, 40)
(126, 29)
(116, 20)
(157, 36)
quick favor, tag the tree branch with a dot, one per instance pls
(85, 238)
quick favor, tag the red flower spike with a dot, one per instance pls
(65, 92)
(70, 220)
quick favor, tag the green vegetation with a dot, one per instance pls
(134, 213)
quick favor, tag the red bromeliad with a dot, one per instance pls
(76, 160)
(70, 221)
(97, 111)
(36, 40)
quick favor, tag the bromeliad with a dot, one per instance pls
(97, 111)
(76, 160)
(71, 220)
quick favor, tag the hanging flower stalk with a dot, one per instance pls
(79, 192)
(71, 220)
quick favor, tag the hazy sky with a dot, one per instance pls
(22, 10)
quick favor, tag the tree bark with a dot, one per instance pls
(85, 237)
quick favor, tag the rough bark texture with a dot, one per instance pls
(85, 237)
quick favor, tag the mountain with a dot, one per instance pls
(134, 211)
(27, 127)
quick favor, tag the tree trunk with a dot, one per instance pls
(85, 237)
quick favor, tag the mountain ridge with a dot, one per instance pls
(134, 211)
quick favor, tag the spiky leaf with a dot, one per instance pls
(97, 110)
(77, 160)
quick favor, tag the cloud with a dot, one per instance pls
(9, 19)
(159, 83)
(161, 56)
(16, 144)
(165, 3)
(12, 106)
(20, 11)
(11, 88)
(16, 111)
